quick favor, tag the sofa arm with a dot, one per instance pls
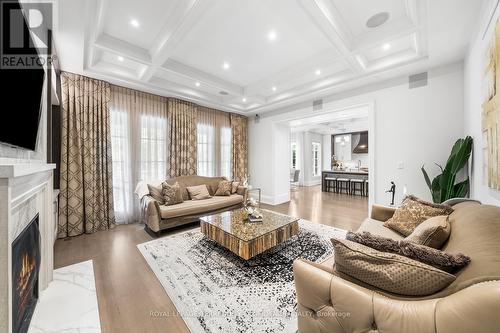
(328, 303)
(382, 213)
(151, 212)
(242, 190)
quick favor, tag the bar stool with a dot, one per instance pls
(343, 184)
(366, 188)
(354, 186)
(331, 182)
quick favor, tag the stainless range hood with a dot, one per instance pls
(362, 146)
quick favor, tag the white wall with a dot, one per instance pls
(326, 156)
(414, 126)
(473, 99)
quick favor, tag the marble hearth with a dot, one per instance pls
(25, 190)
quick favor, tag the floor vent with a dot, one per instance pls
(417, 80)
(317, 104)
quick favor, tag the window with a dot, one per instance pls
(121, 158)
(316, 152)
(225, 152)
(153, 148)
(206, 150)
(294, 155)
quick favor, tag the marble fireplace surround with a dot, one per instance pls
(25, 190)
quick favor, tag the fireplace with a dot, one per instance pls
(25, 269)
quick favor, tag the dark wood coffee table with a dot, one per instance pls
(248, 239)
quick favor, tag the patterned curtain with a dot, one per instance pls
(239, 128)
(182, 117)
(86, 199)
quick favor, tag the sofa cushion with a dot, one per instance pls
(171, 194)
(196, 207)
(156, 193)
(224, 188)
(377, 228)
(433, 232)
(199, 192)
(440, 259)
(388, 271)
(186, 181)
(412, 212)
(234, 187)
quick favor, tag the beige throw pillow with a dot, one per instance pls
(388, 271)
(199, 192)
(433, 232)
(234, 187)
(224, 188)
(412, 212)
(155, 192)
(171, 193)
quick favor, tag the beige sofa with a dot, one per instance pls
(159, 217)
(329, 301)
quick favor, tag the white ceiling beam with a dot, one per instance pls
(120, 47)
(193, 10)
(329, 21)
(204, 78)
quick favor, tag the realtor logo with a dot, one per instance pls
(24, 34)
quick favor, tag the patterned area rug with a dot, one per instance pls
(216, 291)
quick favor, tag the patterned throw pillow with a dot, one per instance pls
(425, 254)
(388, 271)
(412, 212)
(171, 193)
(224, 188)
(155, 192)
(433, 232)
(199, 192)
(234, 187)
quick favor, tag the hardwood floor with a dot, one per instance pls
(130, 297)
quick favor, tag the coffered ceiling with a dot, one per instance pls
(251, 56)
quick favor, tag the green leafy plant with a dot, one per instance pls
(444, 186)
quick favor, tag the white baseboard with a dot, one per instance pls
(312, 183)
(276, 199)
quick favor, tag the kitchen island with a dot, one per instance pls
(348, 174)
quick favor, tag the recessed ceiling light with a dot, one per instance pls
(244, 99)
(273, 88)
(386, 47)
(225, 65)
(271, 35)
(197, 84)
(134, 23)
(317, 72)
(120, 58)
(377, 20)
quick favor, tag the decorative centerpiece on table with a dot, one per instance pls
(250, 209)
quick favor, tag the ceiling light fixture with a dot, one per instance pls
(377, 20)
(317, 72)
(244, 99)
(271, 35)
(225, 65)
(386, 47)
(134, 23)
(120, 58)
(197, 84)
(273, 88)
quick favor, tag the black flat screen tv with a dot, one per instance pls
(21, 103)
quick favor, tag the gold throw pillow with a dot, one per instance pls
(388, 271)
(171, 193)
(433, 232)
(199, 192)
(412, 212)
(224, 188)
(234, 187)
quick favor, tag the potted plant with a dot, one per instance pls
(445, 186)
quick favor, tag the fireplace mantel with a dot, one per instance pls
(26, 189)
